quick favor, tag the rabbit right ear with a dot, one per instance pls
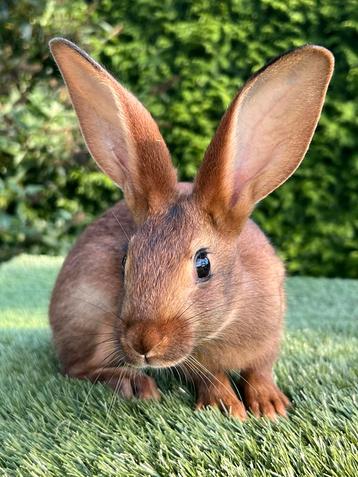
(119, 132)
(264, 135)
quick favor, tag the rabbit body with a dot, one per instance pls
(178, 275)
(87, 299)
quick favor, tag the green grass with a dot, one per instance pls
(50, 425)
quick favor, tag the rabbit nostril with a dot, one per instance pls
(145, 356)
(142, 348)
(146, 343)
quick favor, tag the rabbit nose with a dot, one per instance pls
(145, 341)
(142, 348)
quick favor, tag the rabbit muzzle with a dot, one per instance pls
(157, 344)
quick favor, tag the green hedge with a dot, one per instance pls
(184, 60)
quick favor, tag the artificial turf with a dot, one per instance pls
(54, 426)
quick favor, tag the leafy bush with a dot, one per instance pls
(184, 60)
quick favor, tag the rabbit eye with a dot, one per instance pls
(202, 265)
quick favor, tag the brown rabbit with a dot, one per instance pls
(178, 275)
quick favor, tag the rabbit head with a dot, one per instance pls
(183, 264)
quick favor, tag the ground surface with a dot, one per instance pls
(50, 425)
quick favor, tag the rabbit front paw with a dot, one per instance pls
(217, 391)
(263, 397)
(126, 382)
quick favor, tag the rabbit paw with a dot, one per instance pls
(264, 398)
(144, 387)
(127, 383)
(219, 394)
(139, 386)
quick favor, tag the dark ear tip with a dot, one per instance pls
(60, 45)
(58, 42)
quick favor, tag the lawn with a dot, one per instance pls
(54, 426)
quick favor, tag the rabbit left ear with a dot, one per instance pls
(120, 133)
(264, 134)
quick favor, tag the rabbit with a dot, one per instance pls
(177, 275)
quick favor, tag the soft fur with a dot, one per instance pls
(111, 319)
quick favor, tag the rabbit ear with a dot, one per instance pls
(120, 134)
(264, 134)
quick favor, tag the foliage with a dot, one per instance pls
(184, 60)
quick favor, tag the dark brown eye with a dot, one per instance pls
(202, 265)
(124, 259)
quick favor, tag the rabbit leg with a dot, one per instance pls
(216, 390)
(126, 382)
(261, 395)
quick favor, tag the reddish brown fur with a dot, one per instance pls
(154, 311)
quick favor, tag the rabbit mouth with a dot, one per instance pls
(157, 363)
(154, 358)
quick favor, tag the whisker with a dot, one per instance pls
(121, 226)
(117, 386)
(206, 370)
(246, 381)
(225, 305)
(192, 366)
(186, 375)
